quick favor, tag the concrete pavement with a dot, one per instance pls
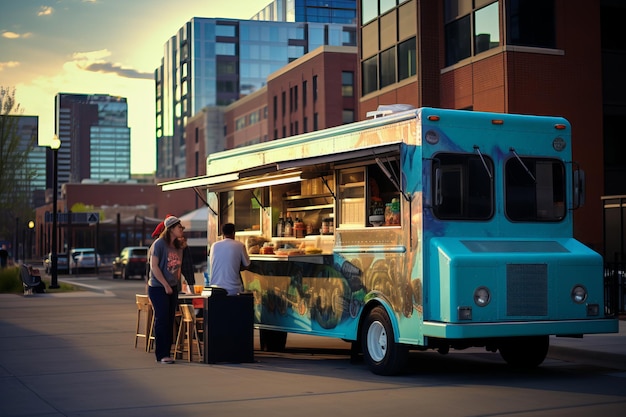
(72, 354)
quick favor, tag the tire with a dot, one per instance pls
(273, 340)
(525, 352)
(381, 353)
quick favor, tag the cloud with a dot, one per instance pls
(12, 35)
(93, 61)
(45, 11)
(8, 64)
(111, 68)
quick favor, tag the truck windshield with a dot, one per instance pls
(463, 186)
(535, 189)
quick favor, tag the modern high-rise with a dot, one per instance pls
(329, 11)
(212, 62)
(95, 138)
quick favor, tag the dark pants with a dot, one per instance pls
(164, 315)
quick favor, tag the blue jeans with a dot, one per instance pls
(164, 317)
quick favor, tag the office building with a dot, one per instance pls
(95, 138)
(544, 57)
(330, 11)
(212, 62)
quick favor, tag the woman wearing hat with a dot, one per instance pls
(165, 266)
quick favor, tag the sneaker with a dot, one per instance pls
(167, 360)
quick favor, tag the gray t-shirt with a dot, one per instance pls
(226, 258)
(170, 261)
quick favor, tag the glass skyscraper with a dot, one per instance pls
(212, 62)
(95, 138)
(329, 11)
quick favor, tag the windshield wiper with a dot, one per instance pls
(523, 164)
(477, 149)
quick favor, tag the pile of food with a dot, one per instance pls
(255, 243)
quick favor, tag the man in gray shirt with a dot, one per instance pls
(228, 257)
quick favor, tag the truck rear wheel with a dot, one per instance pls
(382, 354)
(525, 352)
(273, 340)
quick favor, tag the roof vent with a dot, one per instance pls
(387, 109)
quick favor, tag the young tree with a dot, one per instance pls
(15, 176)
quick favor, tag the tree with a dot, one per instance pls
(14, 172)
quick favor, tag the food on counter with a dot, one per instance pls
(267, 250)
(254, 244)
(289, 252)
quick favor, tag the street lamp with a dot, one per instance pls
(54, 145)
(31, 230)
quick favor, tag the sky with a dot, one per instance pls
(97, 47)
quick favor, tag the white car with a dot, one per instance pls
(83, 258)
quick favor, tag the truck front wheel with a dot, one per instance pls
(381, 353)
(525, 352)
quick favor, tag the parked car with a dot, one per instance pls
(61, 262)
(82, 259)
(131, 262)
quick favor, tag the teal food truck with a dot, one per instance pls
(422, 229)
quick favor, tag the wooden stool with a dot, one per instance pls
(145, 320)
(190, 333)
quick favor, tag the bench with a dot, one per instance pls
(31, 279)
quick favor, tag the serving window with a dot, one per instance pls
(243, 208)
(367, 196)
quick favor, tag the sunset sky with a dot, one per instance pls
(97, 47)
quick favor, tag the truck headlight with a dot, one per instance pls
(482, 296)
(579, 294)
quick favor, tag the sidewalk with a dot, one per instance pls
(71, 354)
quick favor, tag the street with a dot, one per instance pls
(73, 354)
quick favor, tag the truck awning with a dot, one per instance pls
(280, 171)
(195, 182)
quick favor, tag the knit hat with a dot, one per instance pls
(159, 228)
(171, 221)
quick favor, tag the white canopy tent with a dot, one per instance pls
(195, 221)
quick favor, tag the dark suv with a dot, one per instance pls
(131, 262)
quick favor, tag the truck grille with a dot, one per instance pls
(527, 289)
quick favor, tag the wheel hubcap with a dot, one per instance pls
(377, 341)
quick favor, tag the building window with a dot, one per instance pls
(347, 116)
(387, 67)
(407, 59)
(222, 48)
(240, 123)
(531, 23)
(347, 84)
(295, 98)
(471, 27)
(386, 5)
(284, 96)
(370, 75)
(369, 10)
(275, 107)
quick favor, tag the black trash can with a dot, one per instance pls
(229, 328)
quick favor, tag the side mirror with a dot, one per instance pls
(438, 194)
(579, 188)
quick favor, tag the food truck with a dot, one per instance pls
(413, 230)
